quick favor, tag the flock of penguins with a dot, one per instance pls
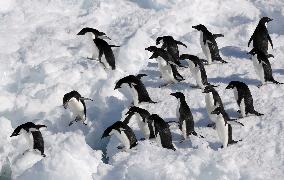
(169, 60)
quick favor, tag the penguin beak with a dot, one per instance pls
(65, 105)
(194, 27)
(152, 57)
(228, 87)
(270, 19)
(14, 135)
(116, 87)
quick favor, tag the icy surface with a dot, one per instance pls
(42, 58)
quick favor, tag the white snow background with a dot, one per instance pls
(42, 58)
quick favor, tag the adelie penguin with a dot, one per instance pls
(243, 97)
(262, 66)
(184, 116)
(261, 36)
(209, 45)
(28, 128)
(167, 65)
(100, 48)
(171, 45)
(76, 103)
(141, 116)
(197, 70)
(138, 90)
(223, 128)
(212, 100)
(162, 131)
(123, 132)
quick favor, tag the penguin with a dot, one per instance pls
(208, 44)
(262, 66)
(142, 121)
(105, 53)
(171, 45)
(123, 132)
(212, 100)
(162, 131)
(30, 128)
(197, 70)
(260, 36)
(139, 92)
(75, 102)
(224, 129)
(184, 116)
(167, 65)
(243, 97)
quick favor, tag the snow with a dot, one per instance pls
(42, 58)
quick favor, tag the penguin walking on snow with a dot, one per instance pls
(138, 90)
(209, 45)
(171, 45)
(162, 132)
(141, 116)
(261, 36)
(123, 132)
(30, 128)
(262, 66)
(212, 100)
(197, 70)
(224, 129)
(184, 116)
(167, 65)
(100, 48)
(243, 97)
(75, 102)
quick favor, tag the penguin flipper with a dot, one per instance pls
(270, 41)
(217, 35)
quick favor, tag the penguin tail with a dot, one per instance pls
(233, 142)
(276, 82)
(154, 102)
(257, 113)
(113, 46)
(43, 155)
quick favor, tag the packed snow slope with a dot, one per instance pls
(42, 58)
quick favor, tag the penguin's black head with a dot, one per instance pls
(131, 79)
(158, 40)
(70, 95)
(217, 111)
(15, 134)
(233, 84)
(189, 57)
(178, 95)
(132, 109)
(116, 126)
(151, 48)
(200, 27)
(208, 89)
(265, 20)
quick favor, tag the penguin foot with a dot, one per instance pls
(70, 123)
(182, 140)
(259, 85)
(85, 123)
(142, 139)
(211, 125)
(43, 155)
(120, 147)
(195, 86)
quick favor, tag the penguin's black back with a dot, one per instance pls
(186, 115)
(212, 44)
(38, 141)
(105, 48)
(171, 46)
(260, 38)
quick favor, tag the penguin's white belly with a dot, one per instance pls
(210, 106)
(177, 111)
(76, 107)
(183, 129)
(222, 130)
(166, 70)
(123, 138)
(205, 49)
(104, 61)
(243, 107)
(158, 139)
(236, 94)
(134, 95)
(95, 51)
(258, 68)
(198, 78)
(28, 138)
(143, 126)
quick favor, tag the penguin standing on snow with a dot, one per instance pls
(123, 132)
(167, 65)
(243, 97)
(162, 131)
(262, 66)
(184, 116)
(224, 130)
(139, 92)
(75, 102)
(171, 45)
(30, 128)
(142, 116)
(208, 44)
(197, 70)
(261, 36)
(212, 100)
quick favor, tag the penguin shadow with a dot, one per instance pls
(233, 51)
(152, 65)
(215, 145)
(234, 77)
(233, 114)
(278, 71)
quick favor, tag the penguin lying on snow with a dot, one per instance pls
(167, 65)
(208, 44)
(184, 116)
(261, 36)
(224, 129)
(212, 100)
(197, 69)
(75, 102)
(243, 97)
(30, 128)
(142, 116)
(162, 131)
(123, 132)
(171, 45)
(139, 92)
(262, 66)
